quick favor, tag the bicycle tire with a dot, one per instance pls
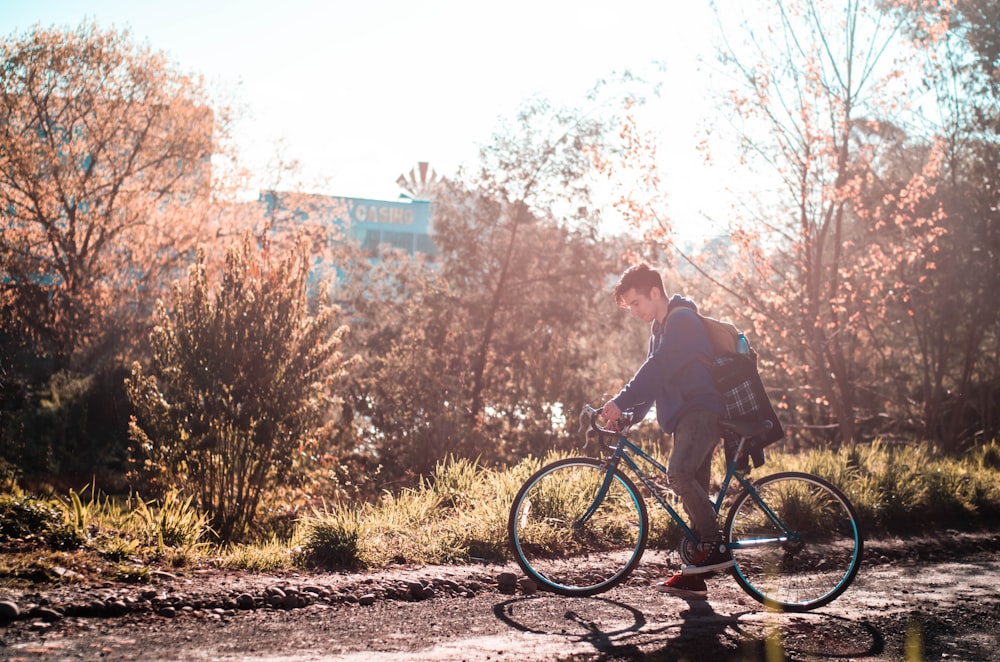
(564, 556)
(814, 565)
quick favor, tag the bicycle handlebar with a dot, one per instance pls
(589, 416)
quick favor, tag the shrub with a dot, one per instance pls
(330, 540)
(988, 456)
(27, 516)
(231, 405)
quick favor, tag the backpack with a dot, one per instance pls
(725, 338)
(734, 371)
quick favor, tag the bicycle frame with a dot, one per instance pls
(794, 536)
(624, 450)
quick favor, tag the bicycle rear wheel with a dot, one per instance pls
(563, 549)
(806, 561)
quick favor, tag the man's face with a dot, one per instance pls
(641, 305)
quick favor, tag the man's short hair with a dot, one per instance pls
(639, 277)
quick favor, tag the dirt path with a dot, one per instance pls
(943, 604)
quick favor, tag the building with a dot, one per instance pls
(403, 224)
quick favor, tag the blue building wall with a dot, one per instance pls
(404, 224)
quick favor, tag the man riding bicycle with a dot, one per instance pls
(676, 379)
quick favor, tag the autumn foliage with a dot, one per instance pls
(159, 334)
(102, 143)
(843, 225)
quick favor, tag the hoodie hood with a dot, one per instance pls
(675, 302)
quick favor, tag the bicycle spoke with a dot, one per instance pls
(800, 551)
(562, 540)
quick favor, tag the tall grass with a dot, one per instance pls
(269, 555)
(459, 513)
(903, 489)
(116, 529)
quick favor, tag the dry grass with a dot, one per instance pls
(456, 515)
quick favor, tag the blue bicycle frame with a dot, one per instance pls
(625, 449)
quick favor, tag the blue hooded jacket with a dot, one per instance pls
(674, 376)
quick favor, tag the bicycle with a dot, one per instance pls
(579, 526)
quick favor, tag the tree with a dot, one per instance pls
(519, 247)
(819, 94)
(102, 141)
(402, 397)
(486, 351)
(231, 407)
(953, 356)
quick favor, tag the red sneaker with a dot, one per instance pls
(684, 586)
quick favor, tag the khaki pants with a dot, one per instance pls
(690, 467)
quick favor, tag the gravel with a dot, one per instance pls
(932, 593)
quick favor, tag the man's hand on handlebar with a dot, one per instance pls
(612, 413)
(618, 420)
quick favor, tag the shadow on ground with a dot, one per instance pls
(623, 632)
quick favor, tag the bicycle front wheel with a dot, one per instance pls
(577, 529)
(796, 541)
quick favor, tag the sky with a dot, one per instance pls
(360, 91)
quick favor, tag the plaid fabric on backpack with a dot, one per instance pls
(739, 382)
